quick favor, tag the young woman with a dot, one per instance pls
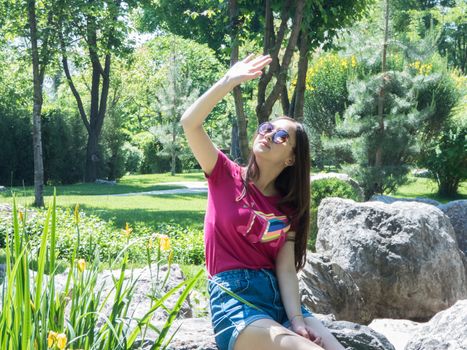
(256, 228)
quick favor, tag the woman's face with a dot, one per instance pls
(264, 147)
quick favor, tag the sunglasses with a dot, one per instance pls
(279, 136)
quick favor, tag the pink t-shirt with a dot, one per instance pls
(242, 230)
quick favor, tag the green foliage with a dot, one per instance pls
(152, 160)
(361, 124)
(101, 238)
(173, 99)
(436, 95)
(326, 97)
(64, 147)
(321, 189)
(445, 157)
(444, 21)
(16, 157)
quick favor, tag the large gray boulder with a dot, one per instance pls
(326, 288)
(403, 256)
(457, 213)
(447, 330)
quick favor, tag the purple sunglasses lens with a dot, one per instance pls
(280, 136)
(265, 128)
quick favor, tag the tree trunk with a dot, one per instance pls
(174, 151)
(299, 93)
(92, 157)
(99, 96)
(379, 147)
(235, 153)
(37, 107)
(237, 92)
(279, 70)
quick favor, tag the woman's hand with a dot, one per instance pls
(307, 332)
(247, 69)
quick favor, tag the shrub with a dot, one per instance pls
(16, 157)
(445, 157)
(64, 147)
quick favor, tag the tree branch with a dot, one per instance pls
(71, 84)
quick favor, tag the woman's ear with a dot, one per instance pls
(290, 161)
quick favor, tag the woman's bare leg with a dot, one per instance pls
(266, 334)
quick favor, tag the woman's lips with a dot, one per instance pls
(265, 143)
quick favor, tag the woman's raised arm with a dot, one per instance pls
(192, 120)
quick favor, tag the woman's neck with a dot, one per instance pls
(268, 173)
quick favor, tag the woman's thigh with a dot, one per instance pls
(266, 334)
(328, 340)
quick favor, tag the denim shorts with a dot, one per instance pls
(230, 316)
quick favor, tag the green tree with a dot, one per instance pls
(443, 19)
(34, 21)
(99, 28)
(173, 99)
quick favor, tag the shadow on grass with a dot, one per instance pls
(147, 217)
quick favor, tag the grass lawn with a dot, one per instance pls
(185, 209)
(127, 184)
(423, 187)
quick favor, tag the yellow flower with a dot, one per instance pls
(51, 338)
(81, 265)
(164, 242)
(76, 213)
(150, 243)
(353, 61)
(127, 231)
(21, 217)
(61, 341)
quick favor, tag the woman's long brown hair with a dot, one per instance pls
(293, 183)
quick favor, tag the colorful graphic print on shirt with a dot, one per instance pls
(273, 226)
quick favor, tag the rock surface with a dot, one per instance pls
(402, 256)
(447, 330)
(357, 337)
(326, 288)
(457, 213)
(398, 332)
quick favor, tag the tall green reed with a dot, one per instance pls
(34, 315)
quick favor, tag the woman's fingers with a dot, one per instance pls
(248, 58)
(261, 61)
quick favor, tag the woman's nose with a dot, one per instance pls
(268, 136)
